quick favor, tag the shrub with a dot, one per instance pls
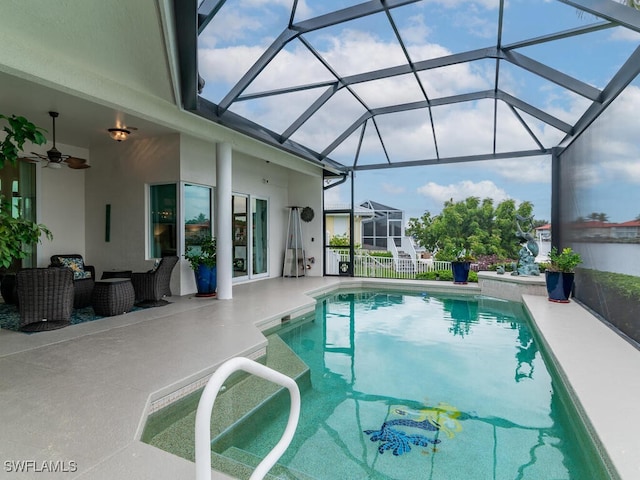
(444, 276)
(384, 254)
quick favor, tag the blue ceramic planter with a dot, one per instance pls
(206, 281)
(559, 286)
(460, 272)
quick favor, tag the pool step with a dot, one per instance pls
(175, 430)
(251, 461)
(243, 399)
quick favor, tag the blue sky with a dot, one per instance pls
(243, 29)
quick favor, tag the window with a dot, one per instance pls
(163, 220)
(197, 214)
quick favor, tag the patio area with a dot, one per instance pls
(79, 396)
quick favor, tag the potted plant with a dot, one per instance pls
(15, 232)
(202, 258)
(461, 260)
(560, 272)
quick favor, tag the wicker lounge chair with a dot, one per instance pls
(151, 286)
(45, 297)
(83, 277)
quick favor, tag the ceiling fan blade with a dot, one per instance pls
(79, 166)
(74, 161)
(43, 157)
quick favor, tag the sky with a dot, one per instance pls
(243, 29)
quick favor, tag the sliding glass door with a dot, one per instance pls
(250, 237)
(259, 231)
(240, 254)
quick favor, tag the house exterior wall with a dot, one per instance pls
(60, 195)
(119, 177)
(338, 224)
(306, 191)
(92, 81)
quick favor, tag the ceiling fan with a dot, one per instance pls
(54, 157)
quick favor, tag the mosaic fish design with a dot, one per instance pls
(399, 442)
(393, 434)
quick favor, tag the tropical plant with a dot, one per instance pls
(472, 224)
(203, 254)
(15, 233)
(18, 131)
(455, 254)
(565, 261)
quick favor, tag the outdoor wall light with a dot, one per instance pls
(119, 134)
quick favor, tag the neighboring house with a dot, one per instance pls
(543, 233)
(386, 222)
(592, 229)
(602, 231)
(337, 218)
(630, 230)
(134, 203)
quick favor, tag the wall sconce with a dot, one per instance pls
(119, 134)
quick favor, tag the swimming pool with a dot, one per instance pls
(421, 386)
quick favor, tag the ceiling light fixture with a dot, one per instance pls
(119, 134)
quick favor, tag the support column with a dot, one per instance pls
(556, 184)
(224, 235)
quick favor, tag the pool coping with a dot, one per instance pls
(601, 369)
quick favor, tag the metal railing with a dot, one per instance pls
(372, 266)
(205, 406)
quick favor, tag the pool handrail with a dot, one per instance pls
(205, 406)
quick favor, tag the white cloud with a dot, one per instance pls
(625, 34)
(521, 170)
(334, 196)
(461, 190)
(393, 189)
(630, 171)
(415, 32)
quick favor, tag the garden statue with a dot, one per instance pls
(529, 250)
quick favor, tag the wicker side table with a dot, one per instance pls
(113, 296)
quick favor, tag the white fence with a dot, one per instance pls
(366, 265)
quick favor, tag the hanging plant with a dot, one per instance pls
(307, 214)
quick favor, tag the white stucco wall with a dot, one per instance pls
(306, 191)
(60, 204)
(119, 175)
(198, 167)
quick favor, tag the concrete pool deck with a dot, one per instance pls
(75, 399)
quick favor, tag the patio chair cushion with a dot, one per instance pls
(82, 284)
(76, 265)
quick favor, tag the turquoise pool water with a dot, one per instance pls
(421, 386)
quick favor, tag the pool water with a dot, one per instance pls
(422, 386)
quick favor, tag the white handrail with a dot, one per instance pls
(203, 415)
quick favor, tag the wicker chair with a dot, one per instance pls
(82, 287)
(151, 286)
(45, 297)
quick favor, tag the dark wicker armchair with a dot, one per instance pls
(45, 298)
(83, 277)
(154, 284)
